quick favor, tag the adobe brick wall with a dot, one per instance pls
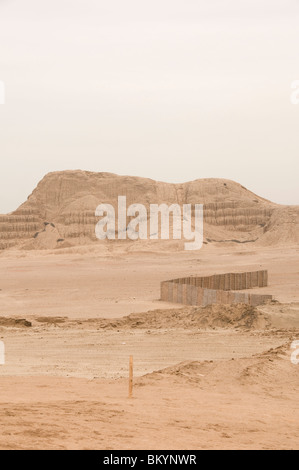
(217, 289)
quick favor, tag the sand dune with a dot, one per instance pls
(213, 316)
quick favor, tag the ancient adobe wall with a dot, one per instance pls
(217, 289)
(16, 227)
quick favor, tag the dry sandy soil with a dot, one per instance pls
(212, 378)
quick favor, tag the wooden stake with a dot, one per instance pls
(131, 377)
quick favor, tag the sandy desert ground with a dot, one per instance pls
(215, 377)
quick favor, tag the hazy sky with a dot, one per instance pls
(174, 90)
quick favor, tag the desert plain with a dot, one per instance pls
(214, 377)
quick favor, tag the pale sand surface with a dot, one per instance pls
(90, 285)
(65, 384)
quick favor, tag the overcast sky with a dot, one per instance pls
(173, 90)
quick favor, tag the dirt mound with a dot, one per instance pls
(48, 238)
(273, 366)
(283, 227)
(51, 320)
(66, 202)
(213, 316)
(15, 322)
